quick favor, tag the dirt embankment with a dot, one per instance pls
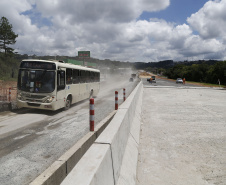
(4, 90)
(145, 75)
(7, 84)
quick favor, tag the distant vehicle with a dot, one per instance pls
(133, 75)
(131, 79)
(153, 79)
(179, 81)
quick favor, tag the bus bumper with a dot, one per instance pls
(36, 105)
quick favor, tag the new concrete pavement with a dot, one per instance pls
(181, 140)
(183, 136)
(164, 133)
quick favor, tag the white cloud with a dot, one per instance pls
(115, 11)
(11, 10)
(111, 29)
(155, 5)
(210, 21)
(196, 45)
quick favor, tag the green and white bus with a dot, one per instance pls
(51, 85)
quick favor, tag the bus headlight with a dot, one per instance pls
(49, 99)
(19, 96)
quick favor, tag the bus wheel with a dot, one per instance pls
(68, 104)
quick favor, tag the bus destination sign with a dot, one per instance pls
(38, 65)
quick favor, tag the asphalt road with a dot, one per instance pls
(161, 82)
(31, 140)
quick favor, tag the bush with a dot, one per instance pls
(8, 68)
(199, 72)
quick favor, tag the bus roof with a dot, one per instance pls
(62, 64)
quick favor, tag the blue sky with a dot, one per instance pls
(36, 17)
(177, 12)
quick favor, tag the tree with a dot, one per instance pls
(7, 36)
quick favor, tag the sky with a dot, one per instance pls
(128, 30)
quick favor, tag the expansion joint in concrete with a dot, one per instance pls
(134, 138)
(103, 143)
(67, 168)
(113, 166)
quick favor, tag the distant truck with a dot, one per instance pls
(133, 75)
(152, 79)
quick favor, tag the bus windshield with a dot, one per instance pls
(36, 81)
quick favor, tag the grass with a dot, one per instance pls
(196, 83)
(206, 84)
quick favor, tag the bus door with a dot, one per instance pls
(61, 92)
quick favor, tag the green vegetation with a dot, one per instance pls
(205, 84)
(199, 72)
(8, 64)
(7, 36)
(8, 68)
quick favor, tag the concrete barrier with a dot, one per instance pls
(130, 158)
(57, 172)
(106, 160)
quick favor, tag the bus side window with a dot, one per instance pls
(88, 77)
(68, 76)
(92, 78)
(75, 76)
(60, 80)
(98, 77)
(83, 76)
(95, 77)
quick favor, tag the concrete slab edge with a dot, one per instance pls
(132, 112)
(129, 164)
(56, 172)
(117, 132)
(84, 166)
(97, 159)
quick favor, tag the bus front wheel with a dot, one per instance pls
(68, 104)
